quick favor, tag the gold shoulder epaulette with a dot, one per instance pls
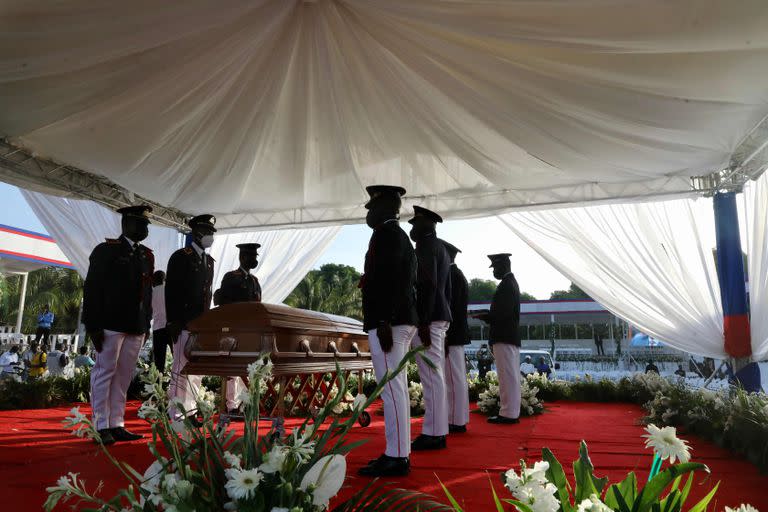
(188, 250)
(112, 240)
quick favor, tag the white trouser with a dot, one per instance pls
(183, 387)
(456, 386)
(397, 405)
(111, 376)
(433, 381)
(508, 366)
(235, 386)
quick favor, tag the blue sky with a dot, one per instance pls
(476, 238)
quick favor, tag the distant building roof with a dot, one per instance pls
(25, 251)
(543, 312)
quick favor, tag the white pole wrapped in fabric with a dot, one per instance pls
(757, 260)
(78, 226)
(285, 257)
(22, 300)
(646, 263)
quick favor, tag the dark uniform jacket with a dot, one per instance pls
(504, 318)
(458, 332)
(117, 294)
(433, 284)
(239, 286)
(187, 286)
(389, 282)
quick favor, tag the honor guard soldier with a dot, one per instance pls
(117, 311)
(433, 296)
(187, 295)
(390, 319)
(504, 337)
(239, 286)
(457, 336)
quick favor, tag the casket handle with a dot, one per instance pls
(304, 347)
(332, 348)
(355, 348)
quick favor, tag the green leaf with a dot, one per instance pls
(556, 475)
(522, 507)
(686, 489)
(586, 483)
(616, 494)
(653, 489)
(455, 504)
(701, 506)
(499, 506)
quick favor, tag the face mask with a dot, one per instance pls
(206, 241)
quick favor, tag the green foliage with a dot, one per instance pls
(573, 292)
(331, 289)
(61, 288)
(47, 392)
(481, 290)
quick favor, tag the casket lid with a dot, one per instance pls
(254, 316)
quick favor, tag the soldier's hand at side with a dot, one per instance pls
(174, 331)
(97, 338)
(384, 332)
(425, 336)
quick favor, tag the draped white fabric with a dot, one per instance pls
(278, 112)
(650, 264)
(285, 257)
(756, 198)
(78, 226)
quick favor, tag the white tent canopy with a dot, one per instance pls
(276, 113)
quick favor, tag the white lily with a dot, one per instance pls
(744, 507)
(324, 479)
(666, 444)
(593, 504)
(359, 401)
(274, 459)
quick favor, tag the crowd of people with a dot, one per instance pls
(36, 361)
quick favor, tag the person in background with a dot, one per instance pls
(527, 367)
(680, 372)
(160, 339)
(543, 368)
(44, 323)
(9, 364)
(84, 360)
(484, 361)
(651, 368)
(26, 360)
(38, 362)
(56, 362)
(599, 345)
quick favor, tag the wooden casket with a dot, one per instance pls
(303, 345)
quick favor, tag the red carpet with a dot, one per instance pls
(35, 451)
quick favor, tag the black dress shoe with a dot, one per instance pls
(120, 434)
(106, 437)
(457, 429)
(503, 420)
(387, 466)
(425, 442)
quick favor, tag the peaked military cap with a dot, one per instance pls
(452, 249)
(377, 191)
(498, 258)
(248, 247)
(205, 220)
(418, 211)
(140, 211)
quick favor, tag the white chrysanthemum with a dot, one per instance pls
(744, 507)
(593, 504)
(324, 479)
(274, 459)
(242, 483)
(666, 444)
(232, 459)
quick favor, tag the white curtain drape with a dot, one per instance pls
(650, 264)
(285, 257)
(78, 226)
(276, 112)
(756, 199)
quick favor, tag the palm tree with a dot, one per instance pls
(331, 289)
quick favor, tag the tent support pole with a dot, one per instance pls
(22, 299)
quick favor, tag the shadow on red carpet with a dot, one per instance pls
(35, 450)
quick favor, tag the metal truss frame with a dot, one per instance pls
(20, 167)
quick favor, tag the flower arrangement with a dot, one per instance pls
(530, 404)
(199, 466)
(416, 395)
(545, 488)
